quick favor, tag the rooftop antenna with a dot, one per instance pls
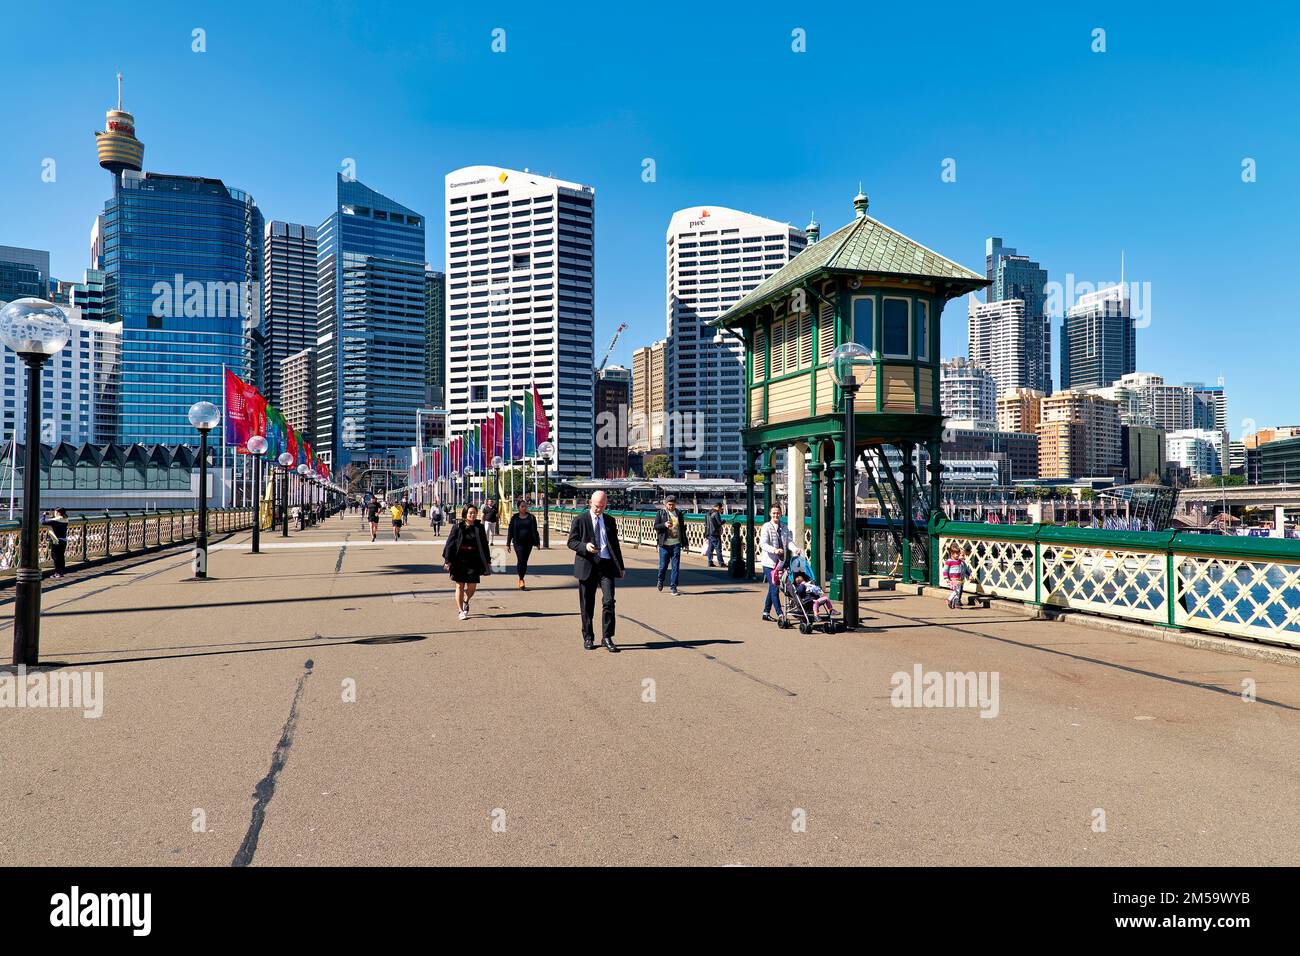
(119, 90)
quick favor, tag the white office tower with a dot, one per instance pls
(715, 256)
(968, 393)
(1004, 340)
(1201, 450)
(521, 303)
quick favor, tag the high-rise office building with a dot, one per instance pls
(715, 256)
(968, 393)
(1098, 340)
(1146, 399)
(1017, 277)
(86, 295)
(288, 302)
(435, 338)
(24, 273)
(521, 302)
(613, 402)
(1209, 406)
(78, 385)
(182, 261)
(369, 326)
(649, 398)
(296, 394)
(1002, 338)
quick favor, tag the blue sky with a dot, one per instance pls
(1068, 154)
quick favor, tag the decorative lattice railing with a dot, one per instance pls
(1243, 587)
(96, 538)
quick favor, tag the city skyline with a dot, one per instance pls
(605, 139)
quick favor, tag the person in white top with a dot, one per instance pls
(773, 546)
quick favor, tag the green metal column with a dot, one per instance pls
(936, 505)
(769, 469)
(749, 512)
(905, 556)
(816, 467)
(835, 475)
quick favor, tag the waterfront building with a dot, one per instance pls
(1019, 410)
(1279, 462)
(1144, 452)
(714, 257)
(1200, 450)
(520, 302)
(1079, 436)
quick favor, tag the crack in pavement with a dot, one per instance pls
(265, 788)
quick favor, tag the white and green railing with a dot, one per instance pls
(96, 538)
(1241, 587)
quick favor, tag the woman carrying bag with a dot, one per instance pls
(466, 556)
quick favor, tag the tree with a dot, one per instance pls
(658, 466)
(1087, 494)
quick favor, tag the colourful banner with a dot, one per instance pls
(516, 432)
(541, 424)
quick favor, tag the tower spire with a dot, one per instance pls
(119, 89)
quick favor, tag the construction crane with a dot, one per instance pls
(612, 342)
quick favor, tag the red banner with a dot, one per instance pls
(541, 425)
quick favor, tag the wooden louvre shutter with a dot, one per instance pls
(826, 332)
(760, 354)
(778, 348)
(805, 340)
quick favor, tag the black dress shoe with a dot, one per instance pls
(610, 645)
(587, 645)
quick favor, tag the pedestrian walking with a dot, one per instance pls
(466, 556)
(713, 535)
(57, 525)
(399, 515)
(954, 574)
(435, 518)
(491, 519)
(774, 548)
(669, 533)
(522, 535)
(597, 564)
(372, 517)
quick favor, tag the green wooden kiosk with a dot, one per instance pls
(864, 283)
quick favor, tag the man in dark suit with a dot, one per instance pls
(597, 563)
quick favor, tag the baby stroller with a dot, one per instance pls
(811, 612)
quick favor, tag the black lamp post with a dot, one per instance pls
(469, 476)
(257, 448)
(286, 461)
(544, 451)
(204, 416)
(844, 359)
(35, 330)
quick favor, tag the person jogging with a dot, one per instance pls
(399, 515)
(521, 534)
(466, 557)
(372, 516)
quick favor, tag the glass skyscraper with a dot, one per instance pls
(24, 273)
(1014, 276)
(182, 262)
(370, 326)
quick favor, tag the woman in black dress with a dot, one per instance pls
(522, 536)
(466, 556)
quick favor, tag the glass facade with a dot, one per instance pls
(370, 362)
(24, 273)
(182, 260)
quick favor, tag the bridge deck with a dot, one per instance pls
(205, 682)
